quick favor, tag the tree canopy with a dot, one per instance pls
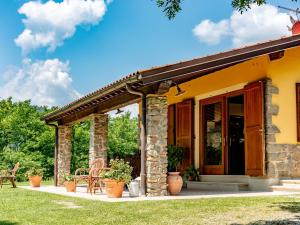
(172, 7)
(26, 139)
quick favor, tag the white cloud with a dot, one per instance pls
(44, 82)
(210, 32)
(260, 23)
(49, 24)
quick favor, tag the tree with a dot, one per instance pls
(172, 7)
(122, 136)
(80, 145)
(24, 137)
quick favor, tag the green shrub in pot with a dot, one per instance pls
(116, 177)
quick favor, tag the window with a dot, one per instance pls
(298, 110)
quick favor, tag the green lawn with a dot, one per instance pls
(18, 206)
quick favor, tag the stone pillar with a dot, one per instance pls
(98, 137)
(156, 148)
(270, 130)
(282, 160)
(270, 111)
(64, 151)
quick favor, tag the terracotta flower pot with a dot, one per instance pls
(70, 186)
(35, 181)
(175, 183)
(113, 188)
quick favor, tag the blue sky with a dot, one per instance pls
(132, 35)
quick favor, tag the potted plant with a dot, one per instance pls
(175, 158)
(35, 176)
(191, 174)
(70, 182)
(116, 177)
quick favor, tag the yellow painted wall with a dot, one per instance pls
(244, 72)
(284, 73)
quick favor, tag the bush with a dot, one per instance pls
(34, 172)
(68, 177)
(119, 170)
(27, 161)
(175, 157)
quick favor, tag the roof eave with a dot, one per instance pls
(90, 97)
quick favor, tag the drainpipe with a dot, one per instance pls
(142, 137)
(55, 152)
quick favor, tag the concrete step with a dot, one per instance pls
(217, 186)
(289, 185)
(288, 188)
(290, 181)
(225, 178)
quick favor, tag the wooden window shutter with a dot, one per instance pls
(171, 125)
(185, 130)
(254, 129)
(298, 110)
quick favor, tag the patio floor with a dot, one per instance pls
(185, 194)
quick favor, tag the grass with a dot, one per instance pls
(19, 206)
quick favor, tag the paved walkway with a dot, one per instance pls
(185, 194)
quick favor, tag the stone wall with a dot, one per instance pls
(98, 137)
(156, 148)
(64, 151)
(282, 160)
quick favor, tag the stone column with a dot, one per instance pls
(64, 151)
(282, 160)
(156, 148)
(98, 137)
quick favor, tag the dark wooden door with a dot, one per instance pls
(254, 129)
(184, 130)
(212, 146)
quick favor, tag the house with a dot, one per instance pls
(237, 113)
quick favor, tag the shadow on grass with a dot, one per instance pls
(274, 222)
(5, 222)
(292, 207)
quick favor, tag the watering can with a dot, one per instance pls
(134, 188)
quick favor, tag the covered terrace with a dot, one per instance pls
(149, 89)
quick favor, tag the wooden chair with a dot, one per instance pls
(84, 174)
(11, 176)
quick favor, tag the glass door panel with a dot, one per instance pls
(213, 134)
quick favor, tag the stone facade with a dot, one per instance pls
(156, 148)
(282, 160)
(98, 137)
(64, 151)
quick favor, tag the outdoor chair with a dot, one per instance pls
(95, 181)
(85, 174)
(11, 176)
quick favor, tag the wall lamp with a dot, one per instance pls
(119, 111)
(179, 91)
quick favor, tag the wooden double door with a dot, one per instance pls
(232, 132)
